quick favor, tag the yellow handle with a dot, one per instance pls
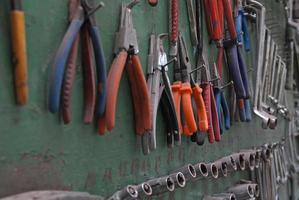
(19, 56)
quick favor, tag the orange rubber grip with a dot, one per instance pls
(113, 81)
(19, 56)
(203, 125)
(141, 97)
(190, 121)
(102, 126)
(176, 93)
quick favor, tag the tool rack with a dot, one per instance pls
(37, 152)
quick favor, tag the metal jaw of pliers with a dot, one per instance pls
(126, 49)
(160, 89)
(222, 106)
(62, 77)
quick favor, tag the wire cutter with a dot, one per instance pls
(222, 106)
(160, 91)
(83, 17)
(126, 50)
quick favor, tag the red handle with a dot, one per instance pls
(217, 35)
(153, 2)
(207, 99)
(230, 19)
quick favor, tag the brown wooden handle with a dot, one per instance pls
(19, 56)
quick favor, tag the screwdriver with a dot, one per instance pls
(19, 51)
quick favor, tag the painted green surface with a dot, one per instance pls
(38, 152)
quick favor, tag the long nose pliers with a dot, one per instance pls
(126, 51)
(62, 76)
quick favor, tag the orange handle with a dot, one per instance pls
(19, 56)
(141, 97)
(186, 92)
(201, 109)
(176, 93)
(113, 81)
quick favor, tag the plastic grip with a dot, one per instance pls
(248, 115)
(232, 59)
(174, 20)
(216, 28)
(221, 15)
(89, 76)
(215, 120)
(113, 80)
(219, 60)
(142, 92)
(243, 71)
(69, 81)
(101, 69)
(238, 22)
(225, 111)
(207, 99)
(176, 92)
(203, 125)
(246, 37)
(241, 110)
(19, 54)
(229, 18)
(59, 65)
(218, 105)
(208, 18)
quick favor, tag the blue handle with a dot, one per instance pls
(243, 71)
(248, 110)
(233, 65)
(218, 105)
(246, 38)
(225, 111)
(59, 65)
(238, 24)
(101, 70)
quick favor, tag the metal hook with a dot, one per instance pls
(132, 4)
(170, 61)
(196, 69)
(228, 84)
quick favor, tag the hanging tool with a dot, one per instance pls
(243, 39)
(210, 103)
(192, 22)
(222, 107)
(182, 91)
(174, 27)
(126, 50)
(157, 73)
(203, 77)
(82, 19)
(19, 52)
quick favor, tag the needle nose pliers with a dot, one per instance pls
(126, 50)
(160, 91)
(82, 19)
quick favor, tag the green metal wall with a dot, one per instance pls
(38, 152)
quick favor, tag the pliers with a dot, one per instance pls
(222, 106)
(126, 50)
(160, 91)
(82, 18)
(181, 89)
(210, 103)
